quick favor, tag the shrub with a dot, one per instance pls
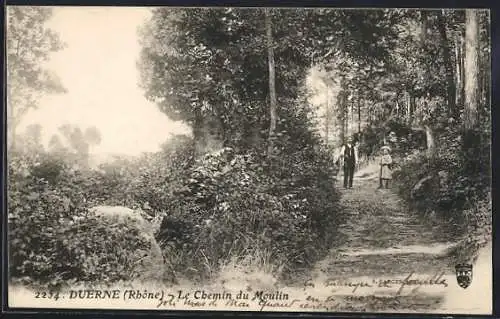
(457, 178)
(232, 206)
(54, 240)
(158, 175)
(478, 231)
(403, 141)
(222, 208)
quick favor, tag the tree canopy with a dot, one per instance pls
(29, 45)
(210, 65)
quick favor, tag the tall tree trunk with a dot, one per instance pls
(480, 83)
(471, 137)
(351, 102)
(445, 48)
(12, 120)
(346, 116)
(484, 62)
(423, 28)
(359, 115)
(431, 147)
(327, 115)
(409, 112)
(471, 69)
(11, 135)
(341, 114)
(459, 71)
(430, 141)
(462, 71)
(413, 105)
(369, 115)
(272, 81)
(486, 82)
(198, 132)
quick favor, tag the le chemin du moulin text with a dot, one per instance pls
(197, 294)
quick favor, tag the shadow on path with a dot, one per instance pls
(382, 238)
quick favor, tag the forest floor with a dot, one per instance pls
(383, 240)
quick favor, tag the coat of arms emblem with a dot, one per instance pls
(464, 275)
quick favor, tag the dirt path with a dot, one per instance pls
(381, 239)
(381, 235)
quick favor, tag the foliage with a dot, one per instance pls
(285, 206)
(213, 72)
(54, 240)
(29, 43)
(233, 205)
(208, 68)
(153, 178)
(458, 178)
(478, 230)
(403, 139)
(75, 142)
(209, 73)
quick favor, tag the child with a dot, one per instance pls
(385, 167)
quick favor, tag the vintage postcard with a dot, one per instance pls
(249, 159)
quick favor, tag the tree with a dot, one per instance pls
(424, 34)
(272, 81)
(471, 133)
(79, 142)
(29, 45)
(459, 65)
(66, 130)
(342, 113)
(208, 71)
(484, 62)
(92, 136)
(33, 137)
(56, 145)
(445, 48)
(472, 94)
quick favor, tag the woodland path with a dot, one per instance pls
(381, 232)
(382, 239)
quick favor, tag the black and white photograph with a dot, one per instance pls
(249, 159)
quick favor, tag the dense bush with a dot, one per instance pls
(454, 186)
(452, 181)
(54, 239)
(218, 208)
(402, 138)
(49, 251)
(233, 206)
(155, 177)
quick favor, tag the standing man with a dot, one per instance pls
(349, 155)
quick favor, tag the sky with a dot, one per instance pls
(98, 67)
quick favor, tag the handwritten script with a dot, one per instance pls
(316, 295)
(400, 283)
